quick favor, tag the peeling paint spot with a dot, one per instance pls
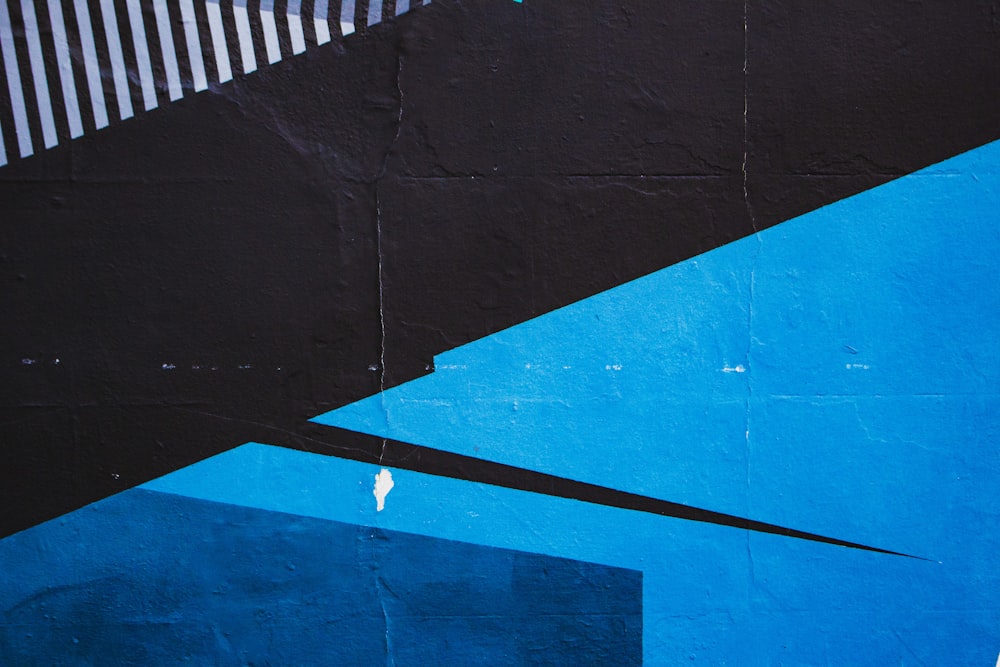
(857, 367)
(734, 369)
(383, 485)
(613, 367)
(168, 367)
(29, 362)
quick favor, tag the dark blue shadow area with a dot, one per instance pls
(146, 578)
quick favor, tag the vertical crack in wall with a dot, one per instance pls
(383, 168)
(753, 271)
(379, 586)
(380, 176)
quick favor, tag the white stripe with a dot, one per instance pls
(320, 17)
(402, 6)
(90, 64)
(374, 12)
(244, 35)
(270, 31)
(65, 69)
(218, 40)
(190, 22)
(38, 73)
(141, 45)
(295, 26)
(117, 59)
(167, 47)
(3, 150)
(14, 83)
(346, 17)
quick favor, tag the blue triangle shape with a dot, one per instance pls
(836, 334)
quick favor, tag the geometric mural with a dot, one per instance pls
(499, 332)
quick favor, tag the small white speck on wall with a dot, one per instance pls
(383, 485)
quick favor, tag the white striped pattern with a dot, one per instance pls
(295, 27)
(14, 83)
(270, 31)
(90, 63)
(112, 33)
(38, 73)
(73, 118)
(223, 24)
(222, 65)
(141, 45)
(198, 76)
(346, 17)
(321, 16)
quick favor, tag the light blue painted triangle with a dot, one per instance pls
(850, 342)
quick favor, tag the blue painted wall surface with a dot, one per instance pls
(149, 578)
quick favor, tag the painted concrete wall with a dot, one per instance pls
(499, 333)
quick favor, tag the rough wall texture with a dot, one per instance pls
(673, 325)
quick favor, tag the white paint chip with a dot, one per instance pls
(736, 369)
(383, 485)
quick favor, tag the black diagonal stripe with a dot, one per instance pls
(308, 13)
(130, 57)
(417, 458)
(180, 48)
(155, 53)
(104, 61)
(52, 71)
(281, 27)
(79, 72)
(232, 38)
(257, 32)
(205, 37)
